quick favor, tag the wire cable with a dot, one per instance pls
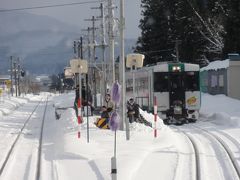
(50, 6)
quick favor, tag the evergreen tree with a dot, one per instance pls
(163, 23)
(232, 26)
(192, 45)
(154, 41)
(204, 27)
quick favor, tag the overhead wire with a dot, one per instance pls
(50, 6)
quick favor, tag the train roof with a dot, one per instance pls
(168, 67)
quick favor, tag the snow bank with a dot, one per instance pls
(64, 100)
(9, 104)
(220, 109)
(223, 119)
(93, 159)
(150, 117)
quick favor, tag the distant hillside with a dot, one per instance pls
(44, 44)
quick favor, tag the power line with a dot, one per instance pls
(50, 6)
(53, 53)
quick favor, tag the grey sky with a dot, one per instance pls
(76, 14)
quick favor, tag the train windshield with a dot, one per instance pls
(161, 82)
(176, 81)
(192, 81)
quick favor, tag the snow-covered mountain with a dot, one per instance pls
(43, 43)
(23, 35)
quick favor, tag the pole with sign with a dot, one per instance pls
(136, 61)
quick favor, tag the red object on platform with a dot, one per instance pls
(79, 102)
(79, 120)
(79, 135)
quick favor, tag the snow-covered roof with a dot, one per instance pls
(215, 65)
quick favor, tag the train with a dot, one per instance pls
(174, 85)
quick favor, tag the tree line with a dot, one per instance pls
(205, 29)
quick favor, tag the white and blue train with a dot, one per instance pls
(175, 86)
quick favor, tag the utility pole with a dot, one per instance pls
(93, 59)
(18, 74)
(75, 54)
(122, 69)
(88, 42)
(11, 75)
(103, 47)
(79, 48)
(111, 39)
(15, 76)
(87, 84)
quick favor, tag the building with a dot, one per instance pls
(222, 77)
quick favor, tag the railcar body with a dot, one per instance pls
(175, 86)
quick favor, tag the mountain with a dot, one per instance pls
(44, 44)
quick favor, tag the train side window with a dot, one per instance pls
(160, 82)
(192, 81)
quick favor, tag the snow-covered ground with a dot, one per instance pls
(64, 156)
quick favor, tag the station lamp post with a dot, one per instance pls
(134, 61)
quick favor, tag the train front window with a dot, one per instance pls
(192, 81)
(160, 82)
(176, 81)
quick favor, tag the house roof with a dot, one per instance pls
(215, 65)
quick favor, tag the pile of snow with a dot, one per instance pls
(9, 104)
(93, 159)
(223, 119)
(215, 65)
(64, 100)
(150, 117)
(220, 109)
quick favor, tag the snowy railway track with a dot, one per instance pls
(224, 146)
(40, 144)
(194, 136)
(13, 147)
(195, 151)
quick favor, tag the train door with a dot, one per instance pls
(176, 89)
(160, 84)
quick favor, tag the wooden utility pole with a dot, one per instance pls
(111, 39)
(15, 76)
(18, 76)
(11, 66)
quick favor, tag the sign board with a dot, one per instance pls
(135, 60)
(68, 73)
(79, 66)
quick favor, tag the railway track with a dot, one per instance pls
(224, 146)
(195, 151)
(215, 139)
(15, 147)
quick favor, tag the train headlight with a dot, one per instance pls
(176, 68)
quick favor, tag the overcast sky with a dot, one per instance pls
(77, 13)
